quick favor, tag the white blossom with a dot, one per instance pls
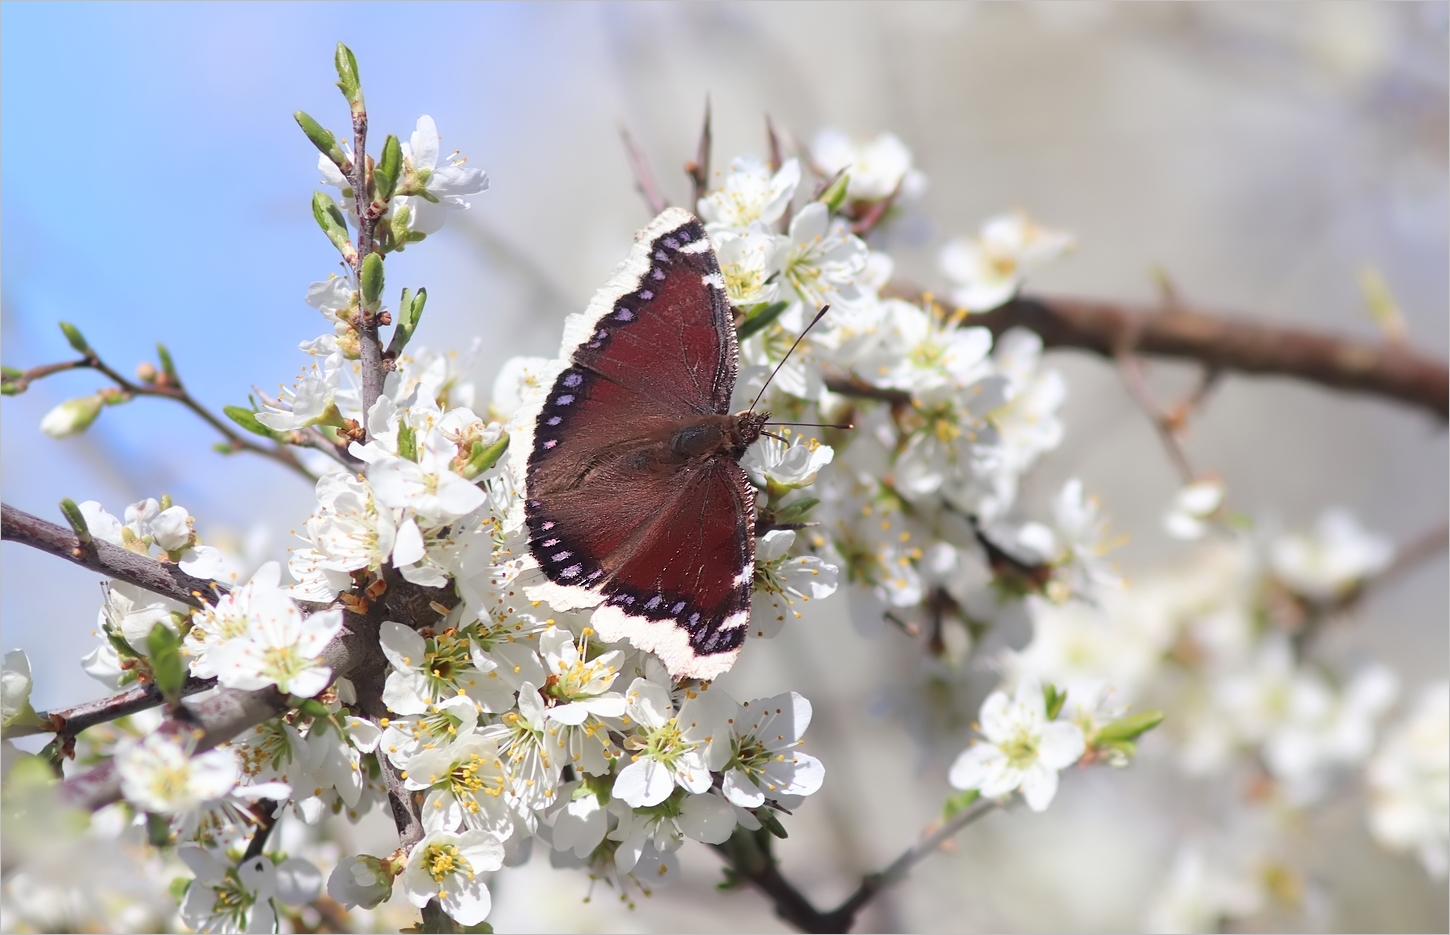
(988, 270)
(1331, 562)
(878, 167)
(750, 193)
(446, 866)
(1409, 782)
(764, 763)
(667, 748)
(781, 579)
(160, 773)
(1022, 749)
(224, 898)
(1193, 507)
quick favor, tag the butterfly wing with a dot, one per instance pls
(668, 551)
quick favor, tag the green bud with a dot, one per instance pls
(759, 317)
(168, 366)
(835, 194)
(330, 218)
(77, 520)
(1053, 698)
(10, 373)
(325, 142)
(407, 441)
(771, 823)
(348, 81)
(72, 417)
(163, 647)
(796, 510)
(958, 803)
(313, 708)
(1130, 727)
(247, 419)
(484, 457)
(76, 339)
(372, 280)
(385, 173)
(409, 313)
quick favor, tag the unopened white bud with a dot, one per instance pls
(71, 417)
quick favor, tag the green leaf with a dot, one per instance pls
(348, 81)
(956, 804)
(323, 139)
(385, 174)
(77, 521)
(313, 708)
(771, 823)
(163, 648)
(795, 510)
(76, 339)
(372, 280)
(158, 830)
(484, 457)
(1130, 727)
(168, 366)
(247, 419)
(10, 373)
(1053, 698)
(407, 441)
(759, 317)
(330, 218)
(835, 194)
(409, 314)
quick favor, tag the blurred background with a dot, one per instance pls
(155, 188)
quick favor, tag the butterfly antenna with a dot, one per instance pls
(819, 315)
(818, 425)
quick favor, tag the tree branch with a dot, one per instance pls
(644, 179)
(69, 722)
(749, 855)
(107, 559)
(1230, 343)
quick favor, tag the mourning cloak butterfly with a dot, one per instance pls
(635, 499)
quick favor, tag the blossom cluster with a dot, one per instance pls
(512, 726)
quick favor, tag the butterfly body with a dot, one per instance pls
(635, 499)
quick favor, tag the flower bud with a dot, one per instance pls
(329, 217)
(363, 880)
(146, 372)
(372, 280)
(323, 139)
(385, 176)
(71, 417)
(835, 194)
(76, 339)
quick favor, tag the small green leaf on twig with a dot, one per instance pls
(168, 366)
(372, 280)
(957, 803)
(1130, 727)
(834, 194)
(76, 339)
(1382, 305)
(771, 823)
(407, 441)
(760, 317)
(1053, 698)
(247, 419)
(483, 457)
(163, 647)
(796, 510)
(323, 139)
(409, 314)
(348, 81)
(77, 522)
(330, 218)
(385, 174)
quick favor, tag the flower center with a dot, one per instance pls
(443, 860)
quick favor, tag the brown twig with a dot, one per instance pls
(171, 389)
(749, 856)
(70, 722)
(370, 349)
(698, 169)
(1232, 344)
(644, 179)
(1167, 427)
(111, 560)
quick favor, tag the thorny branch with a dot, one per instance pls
(167, 386)
(643, 178)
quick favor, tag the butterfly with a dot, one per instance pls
(635, 499)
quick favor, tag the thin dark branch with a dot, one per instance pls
(68, 722)
(168, 390)
(698, 169)
(644, 179)
(1166, 426)
(107, 559)
(749, 856)
(265, 811)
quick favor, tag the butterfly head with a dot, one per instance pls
(745, 428)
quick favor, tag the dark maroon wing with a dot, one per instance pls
(657, 348)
